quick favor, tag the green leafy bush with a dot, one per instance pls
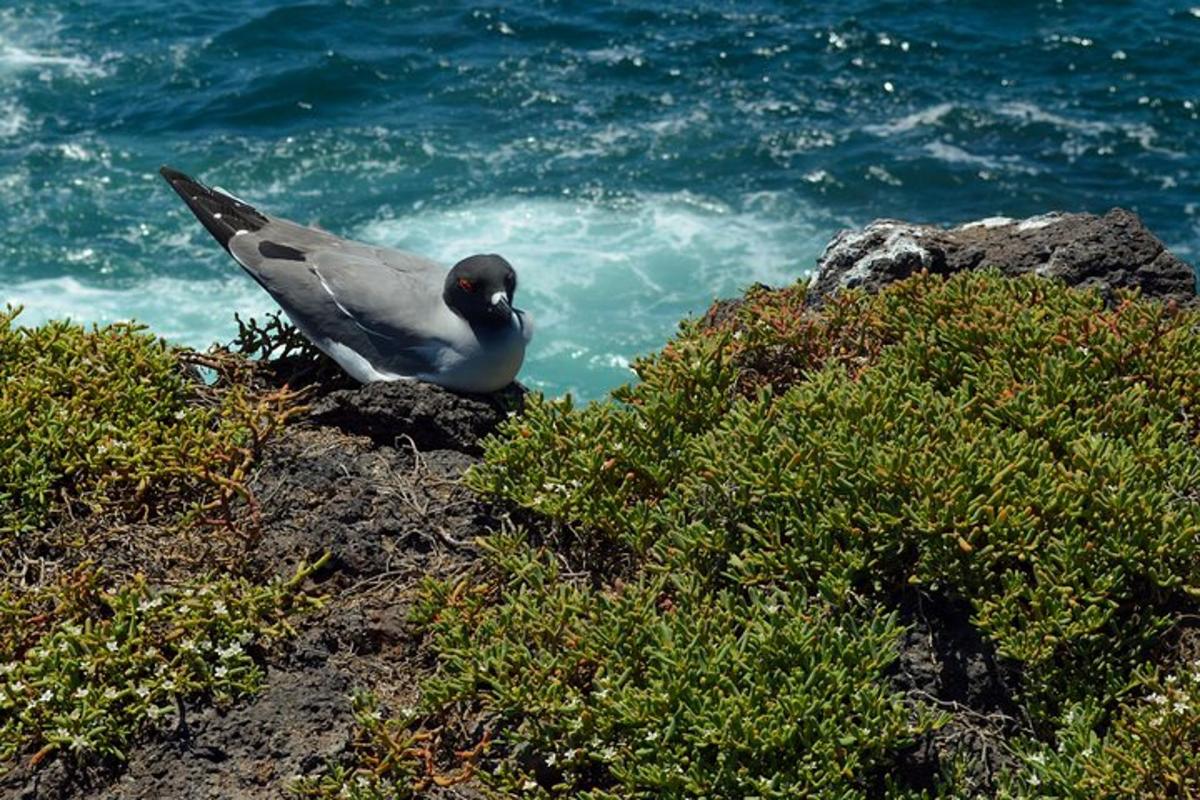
(109, 421)
(660, 688)
(389, 760)
(1010, 442)
(1150, 750)
(106, 435)
(87, 677)
(1013, 444)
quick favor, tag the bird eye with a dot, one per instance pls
(466, 285)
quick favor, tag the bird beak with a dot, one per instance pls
(500, 305)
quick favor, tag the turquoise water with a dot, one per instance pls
(633, 160)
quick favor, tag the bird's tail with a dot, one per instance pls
(222, 214)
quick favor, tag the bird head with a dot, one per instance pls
(480, 289)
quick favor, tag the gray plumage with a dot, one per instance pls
(382, 314)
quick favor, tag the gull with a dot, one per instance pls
(381, 314)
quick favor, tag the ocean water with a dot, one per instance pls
(634, 160)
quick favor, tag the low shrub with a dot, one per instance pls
(108, 434)
(1009, 443)
(1150, 748)
(88, 675)
(111, 421)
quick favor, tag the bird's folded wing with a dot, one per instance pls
(385, 301)
(383, 304)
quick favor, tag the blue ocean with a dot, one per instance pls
(633, 160)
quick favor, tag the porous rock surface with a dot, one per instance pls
(1113, 251)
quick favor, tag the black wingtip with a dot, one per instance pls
(221, 215)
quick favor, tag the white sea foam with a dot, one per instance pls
(13, 58)
(929, 116)
(29, 43)
(1028, 112)
(953, 154)
(1144, 134)
(616, 55)
(195, 313)
(14, 119)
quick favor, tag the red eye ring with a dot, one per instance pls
(466, 285)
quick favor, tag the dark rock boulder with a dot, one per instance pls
(1114, 251)
(433, 417)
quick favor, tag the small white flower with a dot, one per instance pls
(111, 646)
(234, 649)
(110, 693)
(652, 736)
(219, 608)
(1157, 699)
(81, 692)
(552, 759)
(1038, 758)
(46, 696)
(221, 671)
(1180, 707)
(142, 691)
(18, 686)
(529, 785)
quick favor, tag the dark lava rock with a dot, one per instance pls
(945, 662)
(433, 417)
(1108, 252)
(298, 721)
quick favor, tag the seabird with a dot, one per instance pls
(382, 314)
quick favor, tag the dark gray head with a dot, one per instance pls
(480, 289)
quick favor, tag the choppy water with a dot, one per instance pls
(634, 160)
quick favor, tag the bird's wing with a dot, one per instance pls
(385, 305)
